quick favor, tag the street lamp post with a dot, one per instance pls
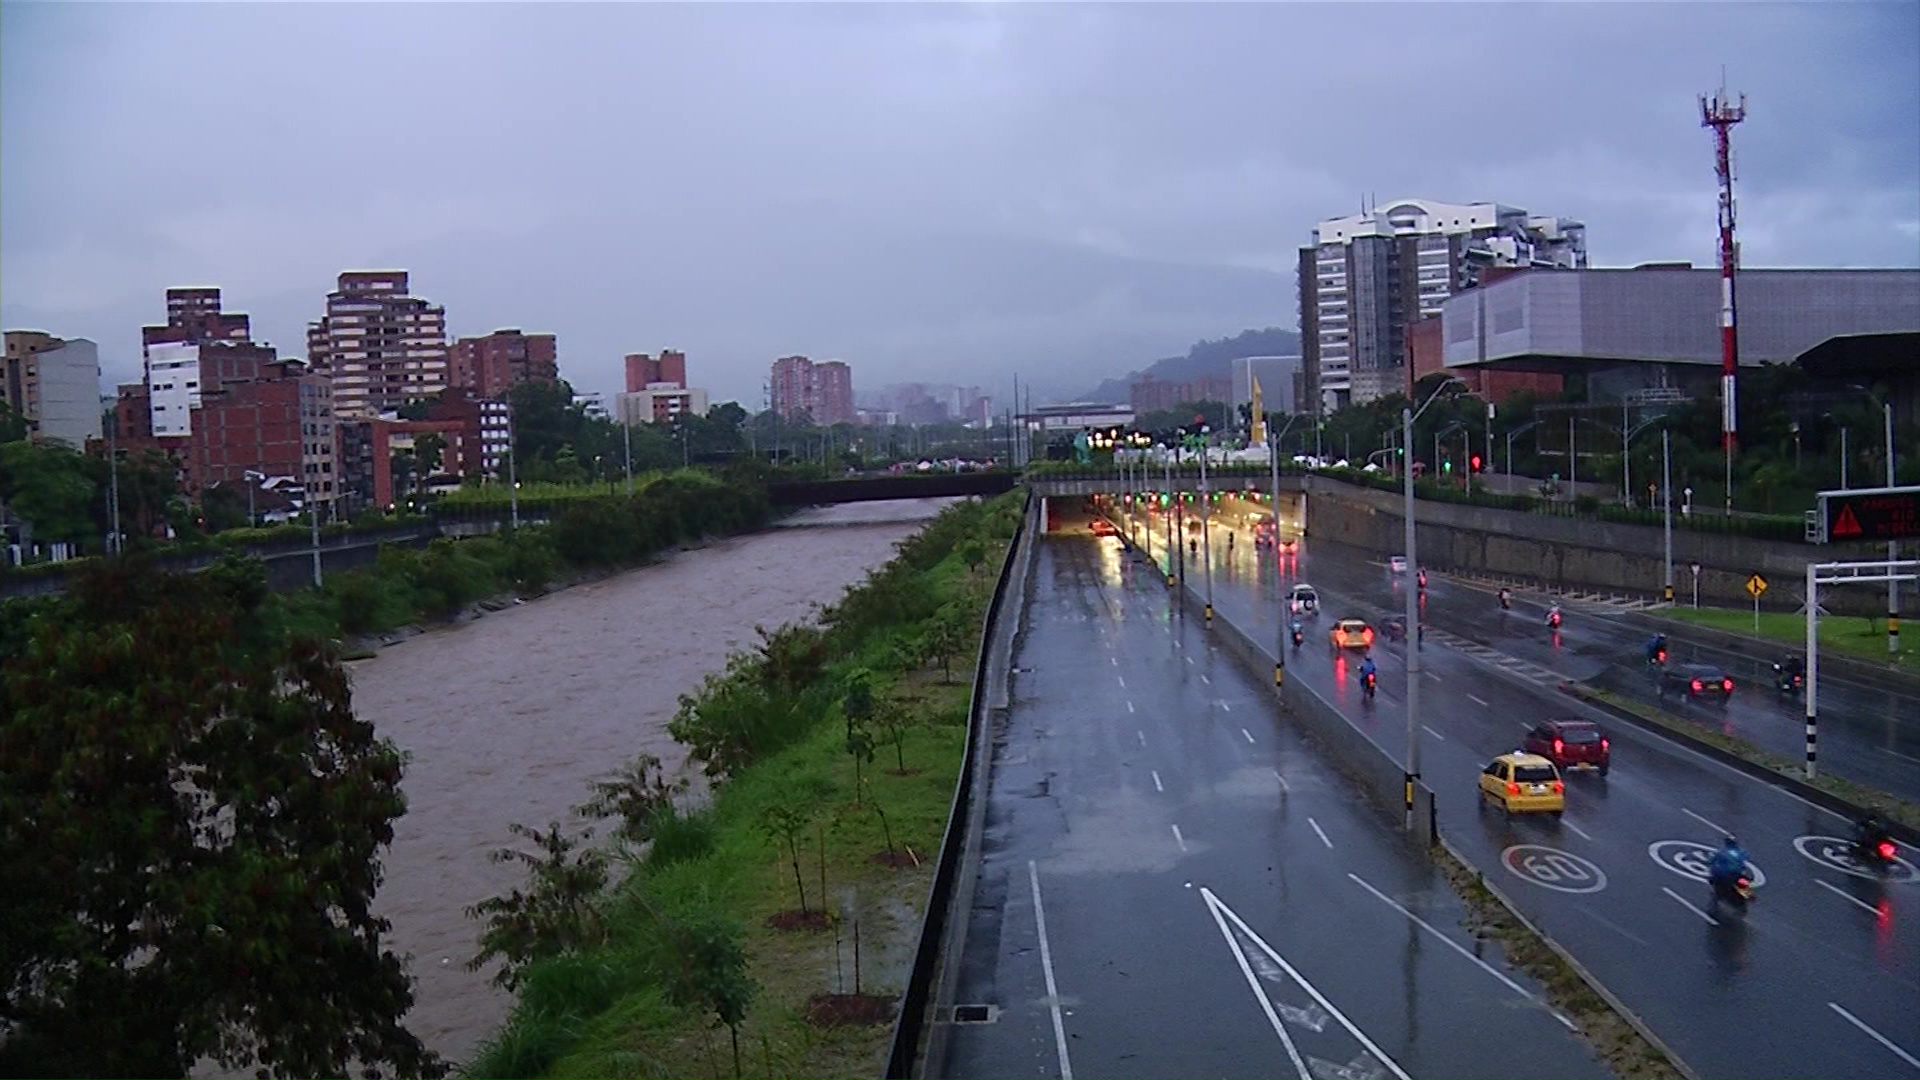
(1413, 623)
(1279, 623)
(626, 436)
(1206, 525)
(1666, 492)
(1893, 546)
(1172, 548)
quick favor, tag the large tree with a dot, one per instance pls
(191, 819)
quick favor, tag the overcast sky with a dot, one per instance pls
(943, 192)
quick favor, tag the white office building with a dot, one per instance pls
(1366, 277)
(173, 371)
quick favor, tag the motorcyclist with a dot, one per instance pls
(1294, 628)
(1506, 600)
(1870, 832)
(1367, 671)
(1553, 615)
(1423, 578)
(1657, 649)
(1727, 864)
(1790, 669)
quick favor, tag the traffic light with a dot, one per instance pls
(1473, 463)
(1446, 466)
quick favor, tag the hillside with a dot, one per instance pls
(1212, 357)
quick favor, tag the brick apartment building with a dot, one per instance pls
(194, 315)
(823, 391)
(487, 367)
(474, 433)
(644, 370)
(381, 346)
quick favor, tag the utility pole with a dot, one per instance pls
(113, 483)
(313, 505)
(626, 436)
(513, 475)
(1280, 623)
(1720, 113)
(1893, 548)
(1413, 626)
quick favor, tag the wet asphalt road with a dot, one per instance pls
(1215, 900)
(1821, 978)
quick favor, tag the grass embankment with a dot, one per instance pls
(1861, 636)
(1872, 798)
(780, 917)
(407, 585)
(1618, 1042)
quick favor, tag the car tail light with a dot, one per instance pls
(1558, 746)
(1696, 686)
(1559, 787)
(1604, 744)
(1513, 788)
(1886, 850)
(1727, 685)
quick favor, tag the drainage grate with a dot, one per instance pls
(975, 1014)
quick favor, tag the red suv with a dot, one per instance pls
(1571, 744)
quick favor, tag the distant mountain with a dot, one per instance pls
(1205, 358)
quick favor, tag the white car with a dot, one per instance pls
(1303, 600)
(1397, 564)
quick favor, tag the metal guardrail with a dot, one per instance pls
(914, 1022)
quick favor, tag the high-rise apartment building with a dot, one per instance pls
(194, 316)
(487, 367)
(54, 385)
(644, 370)
(1367, 277)
(823, 391)
(380, 346)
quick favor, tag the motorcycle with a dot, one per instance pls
(1657, 658)
(1299, 636)
(1787, 682)
(1872, 847)
(1506, 602)
(1553, 619)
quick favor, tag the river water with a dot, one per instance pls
(506, 719)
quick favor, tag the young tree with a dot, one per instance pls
(973, 553)
(635, 794)
(896, 719)
(783, 824)
(711, 973)
(946, 635)
(191, 819)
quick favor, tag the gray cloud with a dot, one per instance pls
(923, 190)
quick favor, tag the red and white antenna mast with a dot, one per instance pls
(1720, 113)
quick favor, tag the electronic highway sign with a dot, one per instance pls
(1869, 515)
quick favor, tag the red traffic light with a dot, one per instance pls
(1474, 462)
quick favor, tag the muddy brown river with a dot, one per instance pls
(507, 718)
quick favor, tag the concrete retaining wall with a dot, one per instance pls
(1577, 553)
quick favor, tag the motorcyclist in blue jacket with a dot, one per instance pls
(1367, 668)
(1728, 863)
(1656, 648)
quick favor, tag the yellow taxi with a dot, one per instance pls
(1524, 783)
(1351, 634)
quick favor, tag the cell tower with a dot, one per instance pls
(1720, 113)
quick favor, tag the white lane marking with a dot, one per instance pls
(1224, 707)
(1046, 964)
(1482, 702)
(1898, 754)
(1321, 833)
(1248, 734)
(1877, 1037)
(1204, 679)
(1722, 831)
(1282, 779)
(1142, 736)
(1129, 704)
(1685, 903)
(1260, 995)
(1847, 896)
(1178, 839)
(1434, 733)
(1189, 659)
(1157, 786)
(1457, 947)
(1115, 660)
(1435, 676)
(1123, 681)
(1577, 829)
(1301, 980)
